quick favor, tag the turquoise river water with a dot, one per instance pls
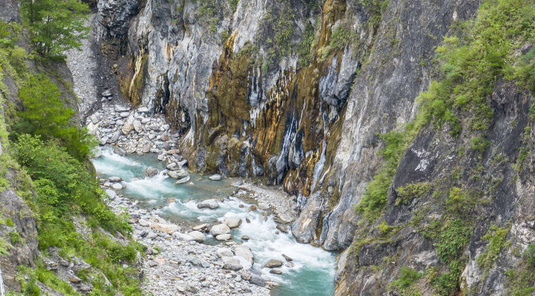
(314, 270)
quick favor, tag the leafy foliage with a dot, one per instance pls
(497, 240)
(55, 26)
(44, 114)
(405, 282)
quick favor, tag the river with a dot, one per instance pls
(313, 268)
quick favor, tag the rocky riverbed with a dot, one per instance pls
(178, 264)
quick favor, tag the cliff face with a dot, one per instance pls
(299, 92)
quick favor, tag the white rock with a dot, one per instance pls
(182, 180)
(223, 237)
(197, 236)
(143, 109)
(219, 229)
(233, 222)
(245, 253)
(224, 252)
(117, 186)
(137, 126)
(208, 204)
(216, 177)
(144, 223)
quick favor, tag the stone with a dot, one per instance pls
(263, 206)
(119, 150)
(282, 228)
(94, 119)
(252, 208)
(124, 114)
(144, 223)
(223, 237)
(216, 177)
(173, 174)
(231, 263)
(287, 258)
(115, 179)
(200, 227)
(143, 110)
(275, 271)
(224, 252)
(273, 263)
(208, 204)
(219, 229)
(137, 126)
(107, 93)
(127, 128)
(179, 174)
(233, 222)
(165, 228)
(183, 180)
(257, 280)
(117, 186)
(245, 253)
(151, 172)
(197, 236)
(173, 166)
(245, 238)
(74, 279)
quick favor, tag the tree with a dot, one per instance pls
(44, 113)
(55, 25)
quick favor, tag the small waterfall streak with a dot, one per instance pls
(2, 291)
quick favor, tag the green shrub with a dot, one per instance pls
(416, 190)
(497, 240)
(405, 282)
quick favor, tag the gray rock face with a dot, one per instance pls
(115, 15)
(10, 11)
(25, 225)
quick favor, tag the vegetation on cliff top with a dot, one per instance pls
(48, 154)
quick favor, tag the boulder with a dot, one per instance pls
(224, 252)
(117, 186)
(257, 280)
(233, 222)
(208, 204)
(219, 229)
(287, 258)
(151, 172)
(182, 180)
(144, 223)
(127, 127)
(245, 253)
(275, 271)
(200, 227)
(216, 177)
(115, 179)
(273, 263)
(223, 237)
(143, 110)
(197, 236)
(231, 263)
(137, 126)
(165, 228)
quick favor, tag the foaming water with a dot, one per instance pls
(312, 270)
(2, 291)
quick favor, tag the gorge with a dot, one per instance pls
(391, 139)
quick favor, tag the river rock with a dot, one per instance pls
(115, 179)
(119, 150)
(173, 174)
(223, 237)
(144, 223)
(127, 127)
(245, 253)
(273, 263)
(216, 177)
(200, 227)
(245, 238)
(219, 229)
(287, 258)
(117, 186)
(257, 280)
(143, 110)
(208, 204)
(183, 180)
(107, 93)
(165, 228)
(233, 222)
(231, 263)
(173, 166)
(197, 236)
(151, 172)
(275, 271)
(282, 228)
(137, 126)
(224, 252)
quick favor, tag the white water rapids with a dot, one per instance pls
(313, 268)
